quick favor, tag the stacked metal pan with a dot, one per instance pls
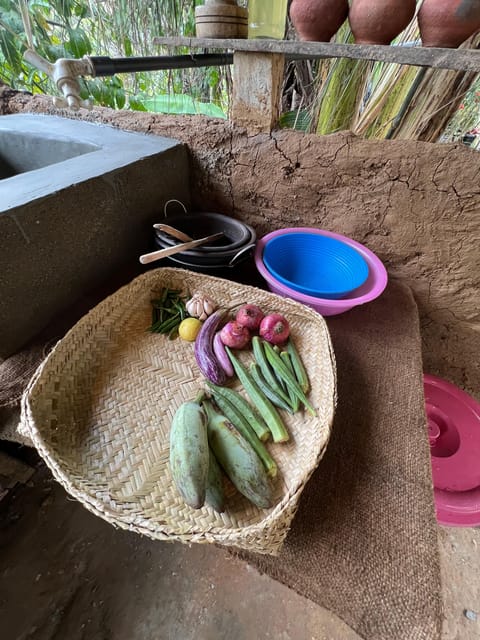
(236, 245)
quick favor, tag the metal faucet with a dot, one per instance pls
(64, 73)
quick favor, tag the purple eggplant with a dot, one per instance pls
(222, 355)
(204, 352)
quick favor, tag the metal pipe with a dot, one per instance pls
(66, 71)
(105, 66)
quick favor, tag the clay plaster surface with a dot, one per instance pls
(415, 204)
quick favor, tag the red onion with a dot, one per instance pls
(250, 316)
(222, 355)
(234, 335)
(274, 328)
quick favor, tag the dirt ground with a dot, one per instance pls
(65, 574)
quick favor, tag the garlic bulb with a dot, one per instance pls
(200, 306)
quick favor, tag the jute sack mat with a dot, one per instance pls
(15, 373)
(364, 540)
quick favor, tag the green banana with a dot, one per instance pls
(215, 495)
(189, 453)
(238, 459)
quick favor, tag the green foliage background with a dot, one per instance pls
(335, 94)
(116, 28)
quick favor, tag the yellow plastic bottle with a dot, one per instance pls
(267, 18)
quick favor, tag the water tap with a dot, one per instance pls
(64, 73)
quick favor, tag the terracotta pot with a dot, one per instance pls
(318, 20)
(379, 21)
(448, 23)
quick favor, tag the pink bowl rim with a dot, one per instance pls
(374, 263)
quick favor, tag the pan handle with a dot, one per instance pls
(173, 200)
(239, 253)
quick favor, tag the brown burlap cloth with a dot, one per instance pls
(364, 540)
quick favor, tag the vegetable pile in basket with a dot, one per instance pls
(177, 315)
(223, 432)
(168, 311)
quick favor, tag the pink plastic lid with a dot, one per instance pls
(454, 434)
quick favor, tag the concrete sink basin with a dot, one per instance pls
(22, 151)
(77, 201)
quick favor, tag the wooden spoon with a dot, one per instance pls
(173, 232)
(178, 248)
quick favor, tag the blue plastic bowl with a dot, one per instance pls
(315, 265)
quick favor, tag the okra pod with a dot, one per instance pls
(280, 380)
(256, 374)
(168, 324)
(281, 368)
(298, 366)
(293, 398)
(251, 414)
(268, 374)
(242, 426)
(263, 404)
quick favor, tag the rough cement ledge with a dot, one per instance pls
(67, 226)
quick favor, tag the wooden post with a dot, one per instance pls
(257, 84)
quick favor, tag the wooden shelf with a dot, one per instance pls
(258, 67)
(455, 59)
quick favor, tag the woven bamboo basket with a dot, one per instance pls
(99, 410)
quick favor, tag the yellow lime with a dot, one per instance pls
(188, 329)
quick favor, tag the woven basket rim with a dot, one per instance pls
(285, 507)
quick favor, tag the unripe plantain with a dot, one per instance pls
(215, 495)
(238, 459)
(189, 453)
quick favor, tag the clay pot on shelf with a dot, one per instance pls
(448, 23)
(318, 20)
(379, 21)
